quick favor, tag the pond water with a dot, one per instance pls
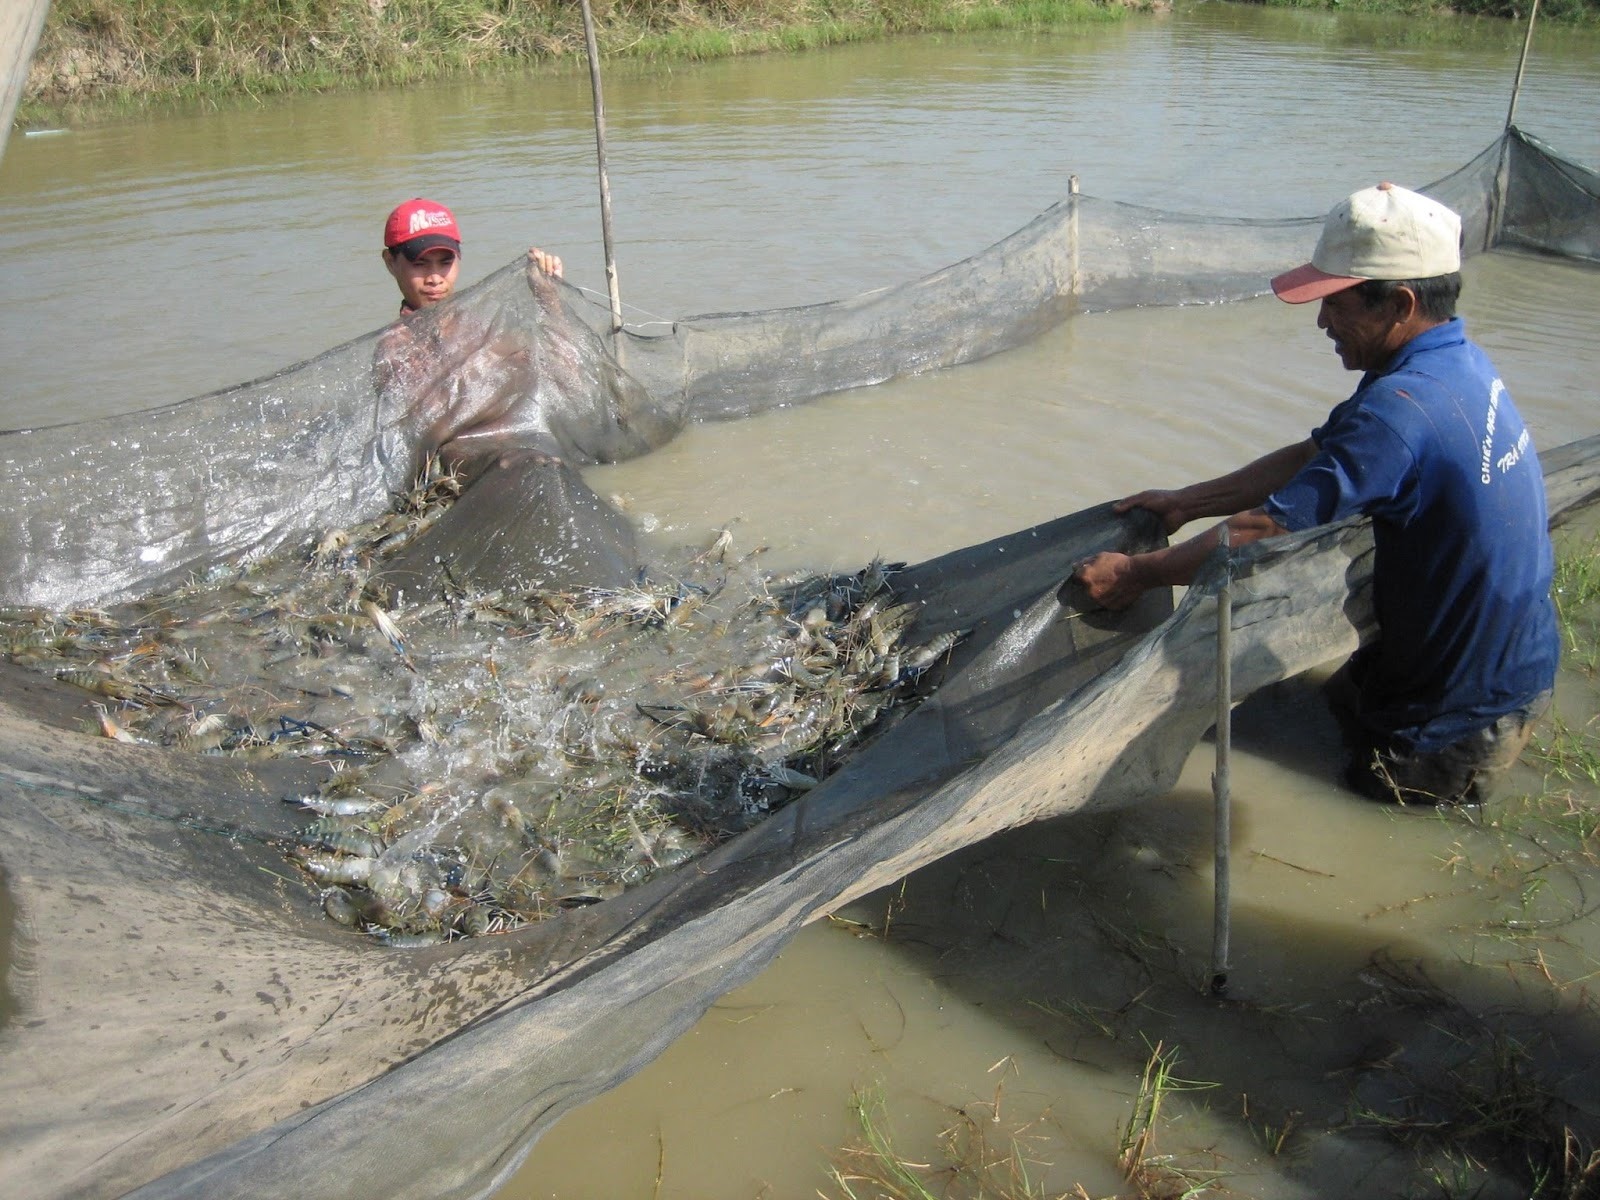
(1020, 982)
(175, 255)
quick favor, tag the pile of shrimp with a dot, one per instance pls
(498, 756)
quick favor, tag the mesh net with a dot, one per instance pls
(180, 1016)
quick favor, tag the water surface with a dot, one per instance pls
(178, 254)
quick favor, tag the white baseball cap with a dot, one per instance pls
(1383, 232)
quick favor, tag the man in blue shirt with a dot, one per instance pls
(1431, 448)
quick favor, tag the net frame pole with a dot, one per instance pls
(593, 52)
(1522, 65)
(1221, 782)
(1074, 279)
(1502, 175)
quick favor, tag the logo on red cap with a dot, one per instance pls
(418, 218)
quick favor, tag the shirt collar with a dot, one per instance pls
(1451, 333)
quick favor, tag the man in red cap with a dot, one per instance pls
(1431, 448)
(422, 250)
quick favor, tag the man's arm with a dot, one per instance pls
(1236, 492)
(1117, 580)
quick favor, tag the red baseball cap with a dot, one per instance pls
(419, 225)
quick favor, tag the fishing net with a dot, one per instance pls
(353, 936)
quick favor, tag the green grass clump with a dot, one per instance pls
(1568, 754)
(973, 1166)
(1577, 595)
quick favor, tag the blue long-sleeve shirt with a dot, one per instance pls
(1434, 451)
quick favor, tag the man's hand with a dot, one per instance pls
(1117, 580)
(545, 261)
(1168, 506)
(1110, 579)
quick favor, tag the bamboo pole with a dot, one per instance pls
(1502, 174)
(600, 155)
(1522, 65)
(1074, 280)
(1220, 779)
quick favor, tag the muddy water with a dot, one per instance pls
(945, 460)
(159, 259)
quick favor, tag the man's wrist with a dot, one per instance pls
(1142, 570)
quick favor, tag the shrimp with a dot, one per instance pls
(112, 730)
(390, 631)
(924, 656)
(338, 868)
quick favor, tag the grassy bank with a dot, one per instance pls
(112, 53)
(1566, 12)
(98, 56)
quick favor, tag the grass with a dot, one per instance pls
(873, 1169)
(1560, 816)
(1585, 12)
(1566, 754)
(1150, 1175)
(1274, 1137)
(1577, 595)
(874, 1163)
(101, 57)
(1484, 1107)
(972, 1165)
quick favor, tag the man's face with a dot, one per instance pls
(428, 280)
(1365, 338)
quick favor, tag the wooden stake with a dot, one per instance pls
(1220, 782)
(1502, 174)
(600, 154)
(1074, 281)
(1522, 63)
